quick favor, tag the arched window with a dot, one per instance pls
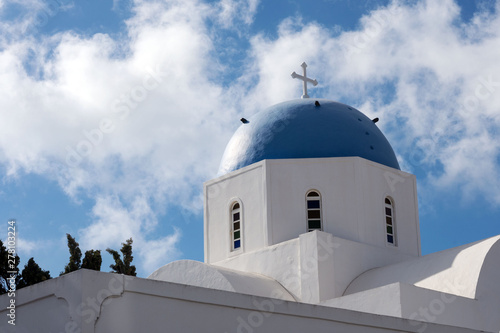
(235, 226)
(390, 222)
(313, 206)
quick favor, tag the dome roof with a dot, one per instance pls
(300, 129)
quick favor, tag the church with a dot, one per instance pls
(310, 225)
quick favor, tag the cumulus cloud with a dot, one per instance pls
(233, 11)
(135, 120)
(161, 251)
(138, 122)
(114, 223)
(432, 79)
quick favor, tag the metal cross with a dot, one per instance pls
(305, 79)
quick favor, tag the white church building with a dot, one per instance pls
(310, 226)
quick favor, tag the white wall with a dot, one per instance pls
(272, 193)
(280, 262)
(316, 266)
(331, 263)
(353, 192)
(457, 286)
(423, 306)
(246, 186)
(470, 270)
(153, 306)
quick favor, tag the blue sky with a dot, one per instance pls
(113, 113)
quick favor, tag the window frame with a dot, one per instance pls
(390, 227)
(232, 229)
(314, 209)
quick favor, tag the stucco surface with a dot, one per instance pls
(145, 305)
(198, 274)
(272, 196)
(458, 270)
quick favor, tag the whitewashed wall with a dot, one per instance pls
(273, 192)
(83, 301)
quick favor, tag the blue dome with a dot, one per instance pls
(300, 129)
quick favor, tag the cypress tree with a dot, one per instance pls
(32, 273)
(92, 260)
(123, 266)
(75, 255)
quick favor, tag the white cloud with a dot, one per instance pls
(138, 121)
(149, 116)
(233, 11)
(31, 16)
(157, 253)
(435, 65)
(26, 247)
(114, 223)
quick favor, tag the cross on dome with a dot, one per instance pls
(304, 79)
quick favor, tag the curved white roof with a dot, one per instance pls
(470, 270)
(199, 274)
